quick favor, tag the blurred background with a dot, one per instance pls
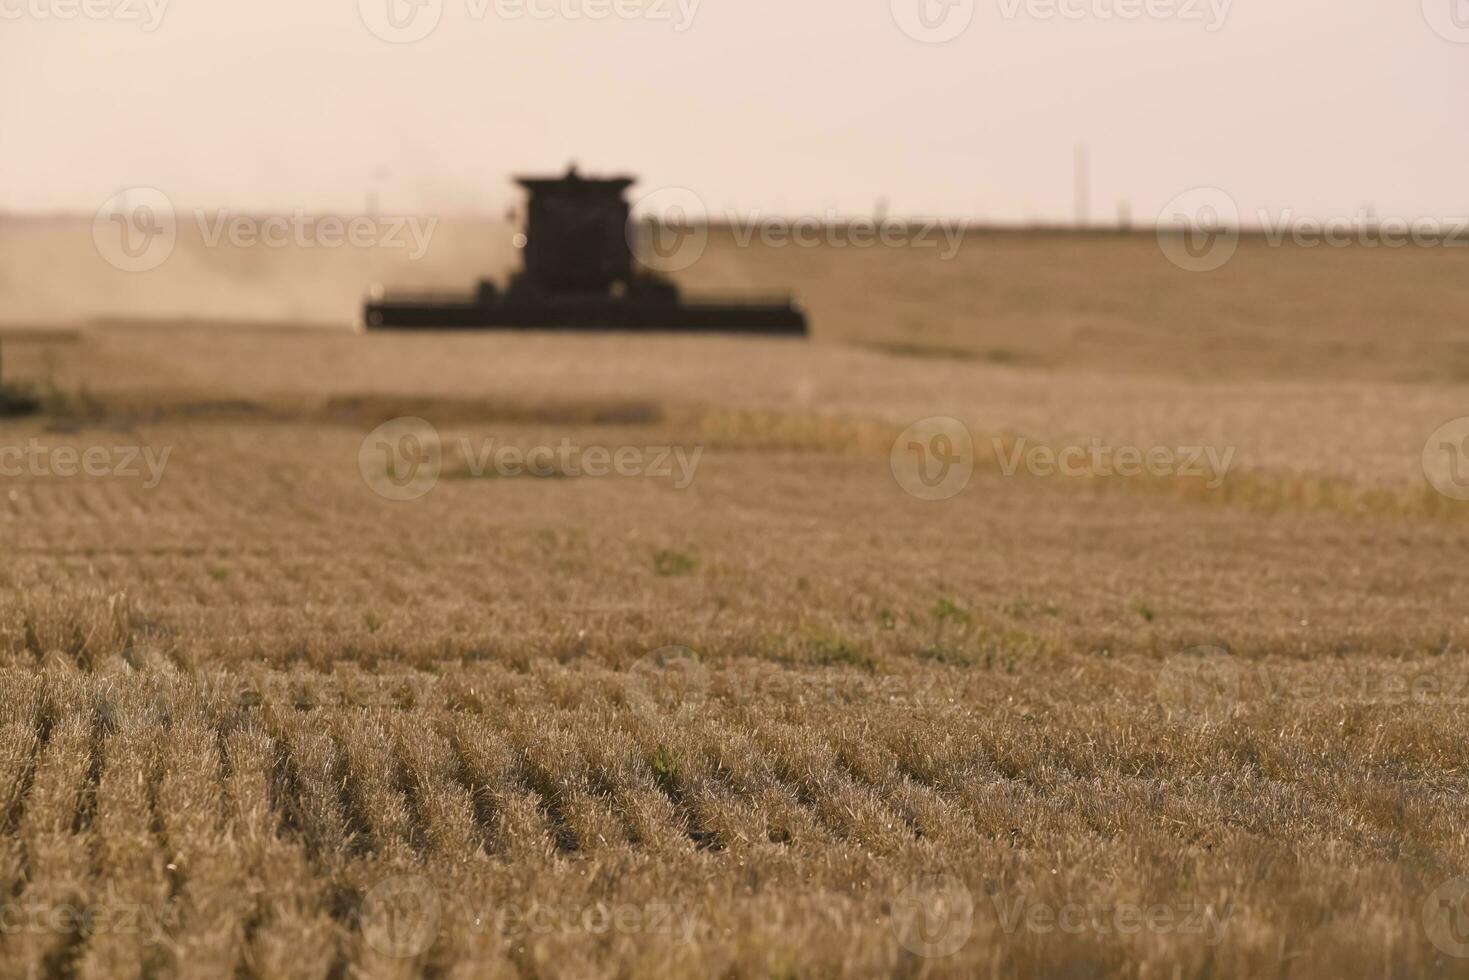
(1317, 106)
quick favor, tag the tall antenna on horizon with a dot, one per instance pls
(374, 196)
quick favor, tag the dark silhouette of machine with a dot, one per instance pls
(580, 273)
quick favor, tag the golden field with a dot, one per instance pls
(782, 717)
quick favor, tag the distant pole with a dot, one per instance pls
(1124, 216)
(1083, 186)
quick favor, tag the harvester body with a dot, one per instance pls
(579, 273)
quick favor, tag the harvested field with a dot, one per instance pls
(747, 706)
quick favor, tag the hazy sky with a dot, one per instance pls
(1317, 105)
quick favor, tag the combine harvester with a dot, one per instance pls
(580, 274)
